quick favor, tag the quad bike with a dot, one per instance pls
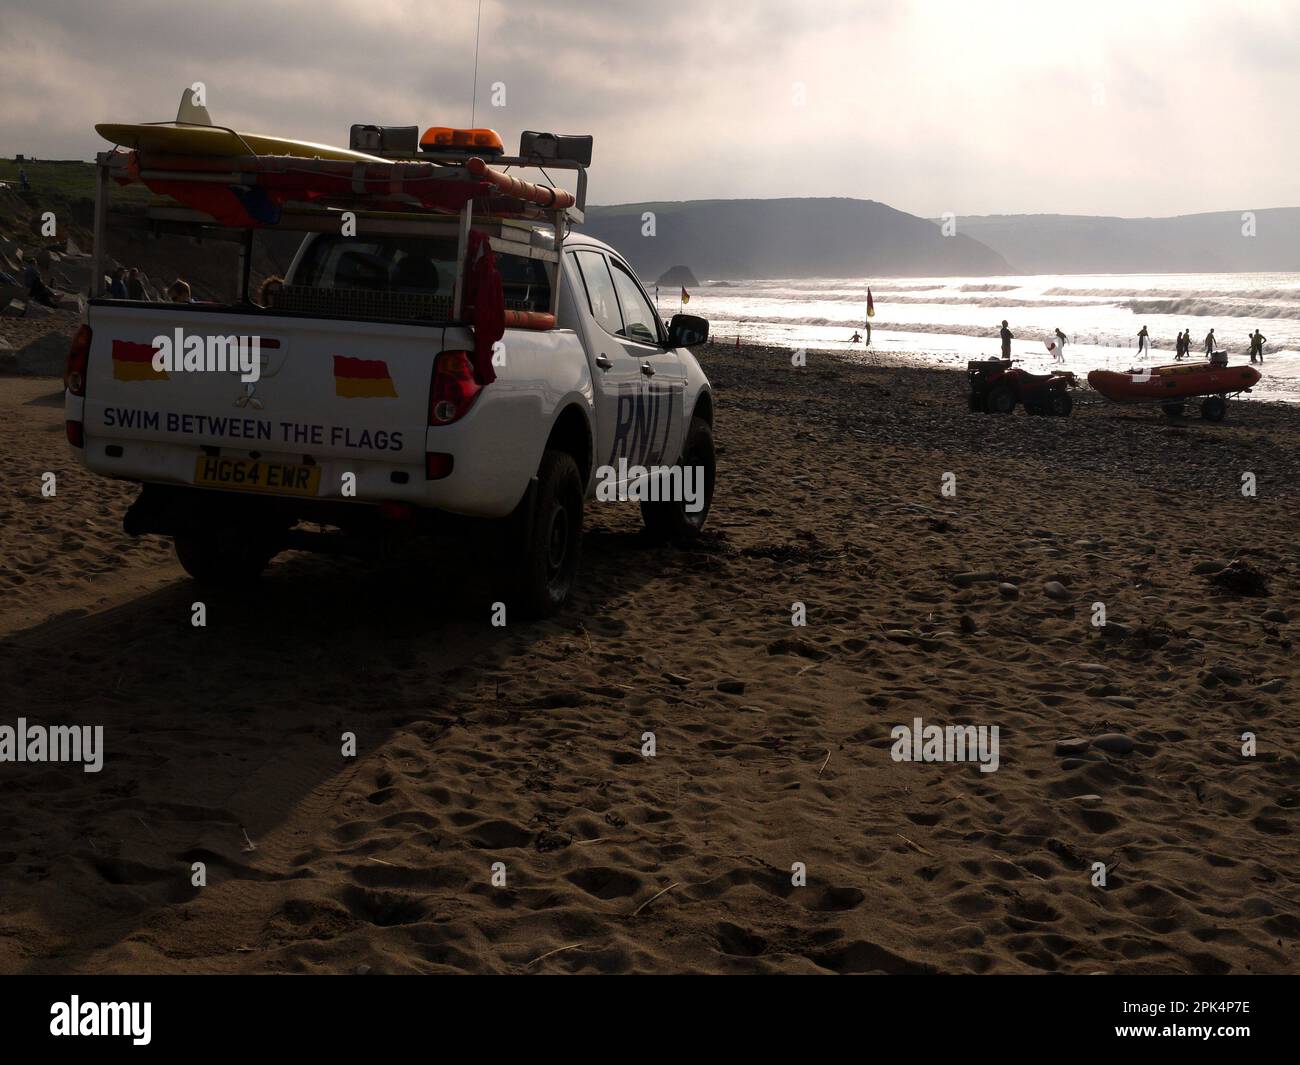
(996, 386)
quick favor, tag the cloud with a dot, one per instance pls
(1109, 108)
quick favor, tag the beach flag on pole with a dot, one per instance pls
(871, 304)
(686, 296)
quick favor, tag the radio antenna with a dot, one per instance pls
(473, 100)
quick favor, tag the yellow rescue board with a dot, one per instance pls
(211, 140)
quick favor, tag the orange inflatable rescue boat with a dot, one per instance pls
(1171, 385)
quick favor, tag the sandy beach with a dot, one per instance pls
(523, 746)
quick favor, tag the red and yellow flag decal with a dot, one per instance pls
(362, 378)
(134, 362)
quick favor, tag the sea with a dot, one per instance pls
(949, 320)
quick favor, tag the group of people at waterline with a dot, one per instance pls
(1182, 346)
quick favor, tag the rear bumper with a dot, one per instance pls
(176, 510)
(474, 487)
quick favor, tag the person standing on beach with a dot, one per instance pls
(1257, 340)
(1060, 345)
(1144, 342)
(1184, 344)
(1006, 341)
(1209, 342)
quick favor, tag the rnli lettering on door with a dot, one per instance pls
(642, 424)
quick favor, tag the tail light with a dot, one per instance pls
(74, 373)
(454, 388)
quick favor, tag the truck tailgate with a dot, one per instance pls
(337, 393)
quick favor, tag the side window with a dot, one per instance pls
(524, 283)
(601, 296)
(639, 317)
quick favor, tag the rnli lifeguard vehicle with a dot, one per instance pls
(447, 356)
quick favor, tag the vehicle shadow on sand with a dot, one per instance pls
(220, 740)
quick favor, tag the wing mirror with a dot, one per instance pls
(686, 331)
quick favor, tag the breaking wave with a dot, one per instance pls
(1248, 293)
(1211, 308)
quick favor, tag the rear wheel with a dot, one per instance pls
(670, 519)
(1213, 408)
(225, 556)
(1001, 400)
(549, 560)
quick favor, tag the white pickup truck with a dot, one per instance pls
(366, 423)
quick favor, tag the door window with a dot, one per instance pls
(602, 299)
(639, 319)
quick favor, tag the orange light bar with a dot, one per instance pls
(446, 139)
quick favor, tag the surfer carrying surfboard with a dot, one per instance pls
(1060, 345)
(1144, 342)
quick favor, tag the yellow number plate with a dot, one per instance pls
(246, 475)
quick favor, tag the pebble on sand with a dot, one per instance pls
(1056, 590)
(1114, 742)
(964, 580)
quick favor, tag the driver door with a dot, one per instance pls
(664, 376)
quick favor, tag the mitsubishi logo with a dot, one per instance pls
(247, 397)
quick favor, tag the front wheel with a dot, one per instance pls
(549, 561)
(1213, 408)
(683, 518)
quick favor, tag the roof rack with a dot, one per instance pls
(423, 193)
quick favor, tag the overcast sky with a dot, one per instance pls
(1132, 108)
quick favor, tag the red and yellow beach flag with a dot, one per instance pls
(686, 296)
(134, 362)
(362, 378)
(871, 304)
